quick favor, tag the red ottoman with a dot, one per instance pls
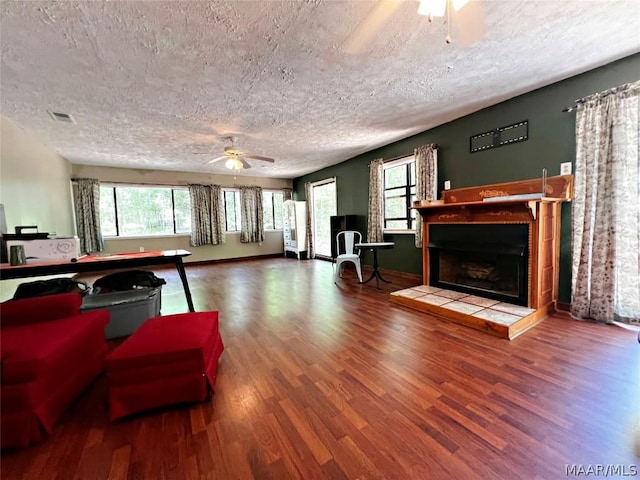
(169, 359)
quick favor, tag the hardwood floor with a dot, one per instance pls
(334, 381)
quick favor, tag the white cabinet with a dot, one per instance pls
(294, 228)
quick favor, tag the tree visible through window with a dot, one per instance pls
(138, 210)
(273, 209)
(399, 194)
(324, 207)
(232, 210)
(144, 211)
(182, 211)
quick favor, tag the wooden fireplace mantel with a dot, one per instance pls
(485, 212)
(515, 205)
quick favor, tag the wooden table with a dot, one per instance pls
(96, 263)
(374, 247)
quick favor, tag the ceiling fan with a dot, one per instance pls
(468, 26)
(235, 158)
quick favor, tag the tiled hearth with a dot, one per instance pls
(499, 318)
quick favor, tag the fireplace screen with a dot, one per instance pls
(482, 259)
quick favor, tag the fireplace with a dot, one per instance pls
(488, 260)
(498, 241)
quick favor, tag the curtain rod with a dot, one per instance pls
(145, 184)
(185, 185)
(435, 147)
(318, 183)
(604, 93)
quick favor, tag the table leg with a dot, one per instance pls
(185, 283)
(379, 275)
(375, 273)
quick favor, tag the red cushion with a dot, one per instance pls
(29, 350)
(168, 360)
(45, 366)
(172, 339)
(39, 309)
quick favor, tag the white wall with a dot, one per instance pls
(34, 188)
(273, 243)
(34, 182)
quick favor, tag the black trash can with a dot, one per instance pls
(128, 309)
(131, 296)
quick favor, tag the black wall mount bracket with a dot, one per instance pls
(517, 132)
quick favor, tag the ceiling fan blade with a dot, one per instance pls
(245, 164)
(468, 24)
(258, 157)
(370, 26)
(218, 159)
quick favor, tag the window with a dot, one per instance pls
(144, 211)
(324, 205)
(232, 210)
(273, 214)
(399, 194)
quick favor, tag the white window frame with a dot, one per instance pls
(312, 206)
(396, 163)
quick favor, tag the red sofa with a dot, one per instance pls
(50, 354)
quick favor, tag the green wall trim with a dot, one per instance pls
(551, 142)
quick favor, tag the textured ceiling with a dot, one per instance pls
(149, 83)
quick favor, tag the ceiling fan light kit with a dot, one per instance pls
(233, 164)
(438, 8)
(458, 4)
(235, 158)
(432, 8)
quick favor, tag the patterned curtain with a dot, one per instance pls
(287, 194)
(207, 215)
(426, 180)
(606, 207)
(86, 200)
(376, 202)
(311, 253)
(251, 215)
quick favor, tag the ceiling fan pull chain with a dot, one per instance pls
(448, 38)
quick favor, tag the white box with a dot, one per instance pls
(49, 248)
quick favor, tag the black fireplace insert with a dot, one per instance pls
(488, 260)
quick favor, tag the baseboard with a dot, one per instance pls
(365, 268)
(408, 276)
(235, 259)
(563, 310)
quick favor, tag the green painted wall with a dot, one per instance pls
(551, 142)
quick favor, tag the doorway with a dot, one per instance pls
(325, 205)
